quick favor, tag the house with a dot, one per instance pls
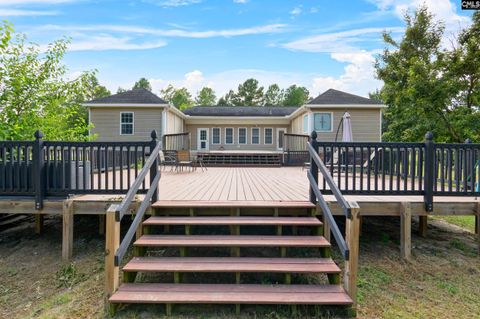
(132, 115)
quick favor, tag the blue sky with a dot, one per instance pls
(220, 43)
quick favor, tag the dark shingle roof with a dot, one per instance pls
(240, 110)
(332, 96)
(135, 96)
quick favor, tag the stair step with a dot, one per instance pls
(231, 294)
(231, 264)
(231, 241)
(234, 220)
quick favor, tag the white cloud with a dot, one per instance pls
(108, 42)
(296, 11)
(343, 41)
(173, 3)
(240, 1)
(270, 28)
(21, 12)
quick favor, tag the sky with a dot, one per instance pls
(220, 43)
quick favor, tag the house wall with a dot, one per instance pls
(193, 129)
(175, 124)
(296, 126)
(106, 121)
(366, 123)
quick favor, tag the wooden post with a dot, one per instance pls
(429, 172)
(406, 231)
(38, 224)
(477, 226)
(352, 232)
(67, 242)
(422, 225)
(326, 229)
(38, 170)
(112, 242)
(313, 165)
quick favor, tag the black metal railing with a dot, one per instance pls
(295, 150)
(317, 197)
(150, 167)
(45, 168)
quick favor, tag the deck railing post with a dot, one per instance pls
(38, 170)
(154, 169)
(469, 167)
(429, 172)
(313, 165)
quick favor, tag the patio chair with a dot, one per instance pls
(166, 160)
(183, 160)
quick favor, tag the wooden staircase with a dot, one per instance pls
(230, 244)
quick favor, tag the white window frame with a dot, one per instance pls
(133, 123)
(305, 121)
(331, 121)
(246, 135)
(259, 135)
(219, 136)
(233, 136)
(265, 135)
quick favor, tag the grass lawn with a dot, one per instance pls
(467, 222)
(442, 280)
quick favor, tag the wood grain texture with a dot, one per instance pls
(234, 220)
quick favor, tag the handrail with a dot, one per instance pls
(123, 206)
(122, 249)
(327, 213)
(328, 178)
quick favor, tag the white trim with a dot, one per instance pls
(233, 136)
(133, 123)
(190, 117)
(246, 136)
(305, 131)
(285, 130)
(265, 135)
(219, 135)
(89, 122)
(259, 135)
(331, 121)
(125, 105)
(381, 126)
(199, 141)
(165, 123)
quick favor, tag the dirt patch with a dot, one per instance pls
(442, 280)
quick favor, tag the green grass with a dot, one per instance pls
(467, 222)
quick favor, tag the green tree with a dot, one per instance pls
(121, 90)
(249, 94)
(273, 96)
(167, 93)
(423, 86)
(206, 96)
(295, 96)
(227, 99)
(34, 92)
(182, 99)
(142, 83)
(375, 95)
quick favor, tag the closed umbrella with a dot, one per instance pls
(347, 128)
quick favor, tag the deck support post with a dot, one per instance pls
(352, 232)
(101, 225)
(406, 231)
(67, 230)
(112, 242)
(422, 225)
(477, 226)
(38, 224)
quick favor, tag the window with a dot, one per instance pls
(242, 135)
(322, 122)
(126, 123)
(268, 136)
(305, 123)
(228, 135)
(216, 135)
(255, 135)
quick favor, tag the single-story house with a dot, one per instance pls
(132, 115)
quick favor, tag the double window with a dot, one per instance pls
(126, 123)
(229, 135)
(268, 136)
(216, 135)
(322, 122)
(242, 135)
(255, 135)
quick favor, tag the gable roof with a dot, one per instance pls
(135, 96)
(240, 110)
(335, 97)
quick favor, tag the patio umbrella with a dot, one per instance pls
(347, 128)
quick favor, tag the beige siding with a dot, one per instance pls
(175, 123)
(106, 123)
(193, 129)
(366, 124)
(296, 126)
